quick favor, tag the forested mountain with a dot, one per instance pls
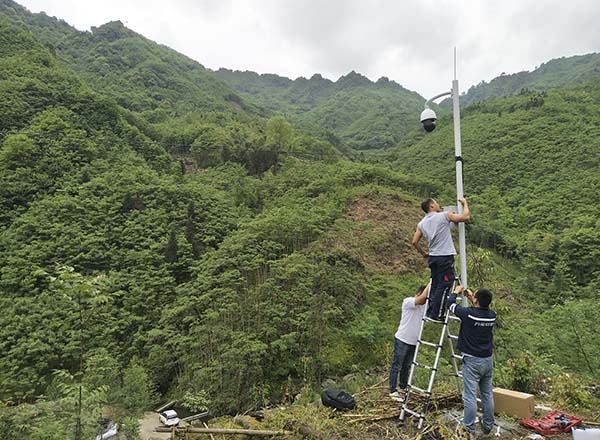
(130, 273)
(139, 74)
(157, 82)
(169, 98)
(554, 74)
(363, 114)
(196, 250)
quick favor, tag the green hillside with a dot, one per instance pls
(362, 114)
(138, 73)
(158, 83)
(115, 259)
(170, 98)
(554, 74)
(228, 257)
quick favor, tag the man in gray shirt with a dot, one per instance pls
(435, 227)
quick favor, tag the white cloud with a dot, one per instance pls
(410, 42)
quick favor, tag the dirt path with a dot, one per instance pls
(147, 425)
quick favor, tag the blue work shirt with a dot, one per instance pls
(476, 324)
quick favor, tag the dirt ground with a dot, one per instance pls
(147, 425)
(377, 231)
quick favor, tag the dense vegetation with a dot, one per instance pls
(554, 74)
(193, 243)
(139, 74)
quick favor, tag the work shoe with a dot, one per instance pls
(396, 396)
(464, 433)
(489, 430)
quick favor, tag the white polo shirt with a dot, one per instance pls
(410, 322)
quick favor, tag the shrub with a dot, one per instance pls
(196, 401)
(569, 391)
(528, 373)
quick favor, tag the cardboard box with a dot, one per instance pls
(513, 403)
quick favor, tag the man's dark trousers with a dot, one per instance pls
(442, 277)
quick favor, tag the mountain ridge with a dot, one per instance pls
(358, 111)
(553, 74)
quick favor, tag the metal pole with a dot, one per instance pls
(462, 247)
(80, 373)
(437, 97)
(459, 187)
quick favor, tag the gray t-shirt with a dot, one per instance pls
(435, 227)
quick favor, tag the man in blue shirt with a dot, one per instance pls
(435, 227)
(475, 341)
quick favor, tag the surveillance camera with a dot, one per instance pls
(428, 120)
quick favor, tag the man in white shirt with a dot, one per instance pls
(405, 340)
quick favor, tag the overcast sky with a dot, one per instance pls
(408, 41)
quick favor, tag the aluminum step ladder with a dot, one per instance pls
(417, 364)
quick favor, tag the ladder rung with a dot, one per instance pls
(420, 390)
(456, 318)
(452, 336)
(414, 413)
(431, 344)
(424, 366)
(435, 321)
(457, 356)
